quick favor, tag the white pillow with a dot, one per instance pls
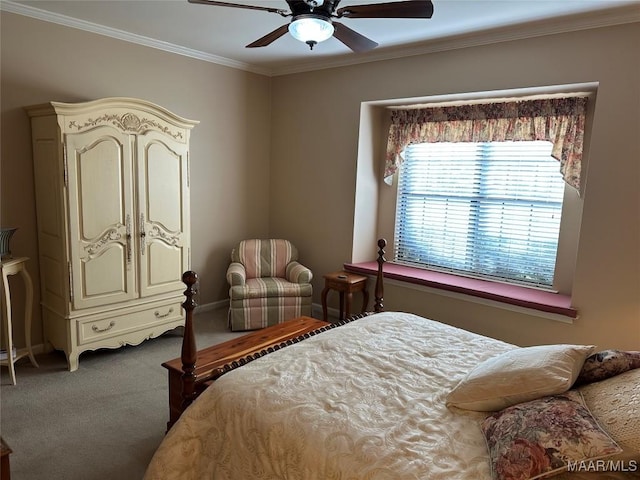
(518, 376)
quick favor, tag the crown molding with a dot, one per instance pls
(602, 18)
(13, 7)
(565, 24)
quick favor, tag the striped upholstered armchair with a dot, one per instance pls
(267, 284)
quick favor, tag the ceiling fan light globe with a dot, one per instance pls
(311, 28)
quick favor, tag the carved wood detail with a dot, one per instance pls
(189, 349)
(155, 231)
(379, 291)
(111, 235)
(128, 122)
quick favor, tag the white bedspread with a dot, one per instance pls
(362, 401)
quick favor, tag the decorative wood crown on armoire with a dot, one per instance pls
(112, 200)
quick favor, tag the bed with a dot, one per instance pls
(393, 395)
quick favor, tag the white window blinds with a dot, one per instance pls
(489, 210)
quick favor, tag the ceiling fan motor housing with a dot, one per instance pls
(325, 8)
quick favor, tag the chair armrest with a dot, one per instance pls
(236, 274)
(298, 273)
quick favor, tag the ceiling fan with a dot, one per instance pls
(312, 20)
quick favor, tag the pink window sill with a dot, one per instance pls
(544, 301)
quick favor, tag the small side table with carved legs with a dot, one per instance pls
(346, 283)
(12, 266)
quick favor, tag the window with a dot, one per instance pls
(488, 209)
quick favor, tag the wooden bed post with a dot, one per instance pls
(379, 293)
(189, 350)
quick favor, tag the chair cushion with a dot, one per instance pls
(265, 258)
(269, 287)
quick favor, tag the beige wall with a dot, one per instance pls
(296, 176)
(229, 175)
(319, 163)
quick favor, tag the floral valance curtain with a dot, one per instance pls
(557, 120)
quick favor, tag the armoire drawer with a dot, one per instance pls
(94, 330)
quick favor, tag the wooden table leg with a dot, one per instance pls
(325, 290)
(365, 299)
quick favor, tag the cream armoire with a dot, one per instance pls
(112, 200)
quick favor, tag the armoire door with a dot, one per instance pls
(163, 210)
(101, 217)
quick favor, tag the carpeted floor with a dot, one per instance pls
(103, 421)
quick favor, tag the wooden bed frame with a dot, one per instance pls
(194, 383)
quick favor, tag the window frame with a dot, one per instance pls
(375, 201)
(478, 203)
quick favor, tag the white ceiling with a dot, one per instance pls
(219, 34)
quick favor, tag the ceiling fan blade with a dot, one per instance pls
(270, 37)
(406, 9)
(352, 39)
(279, 11)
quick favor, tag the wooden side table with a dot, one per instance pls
(13, 266)
(345, 283)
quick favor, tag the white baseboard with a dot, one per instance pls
(316, 310)
(39, 348)
(207, 307)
